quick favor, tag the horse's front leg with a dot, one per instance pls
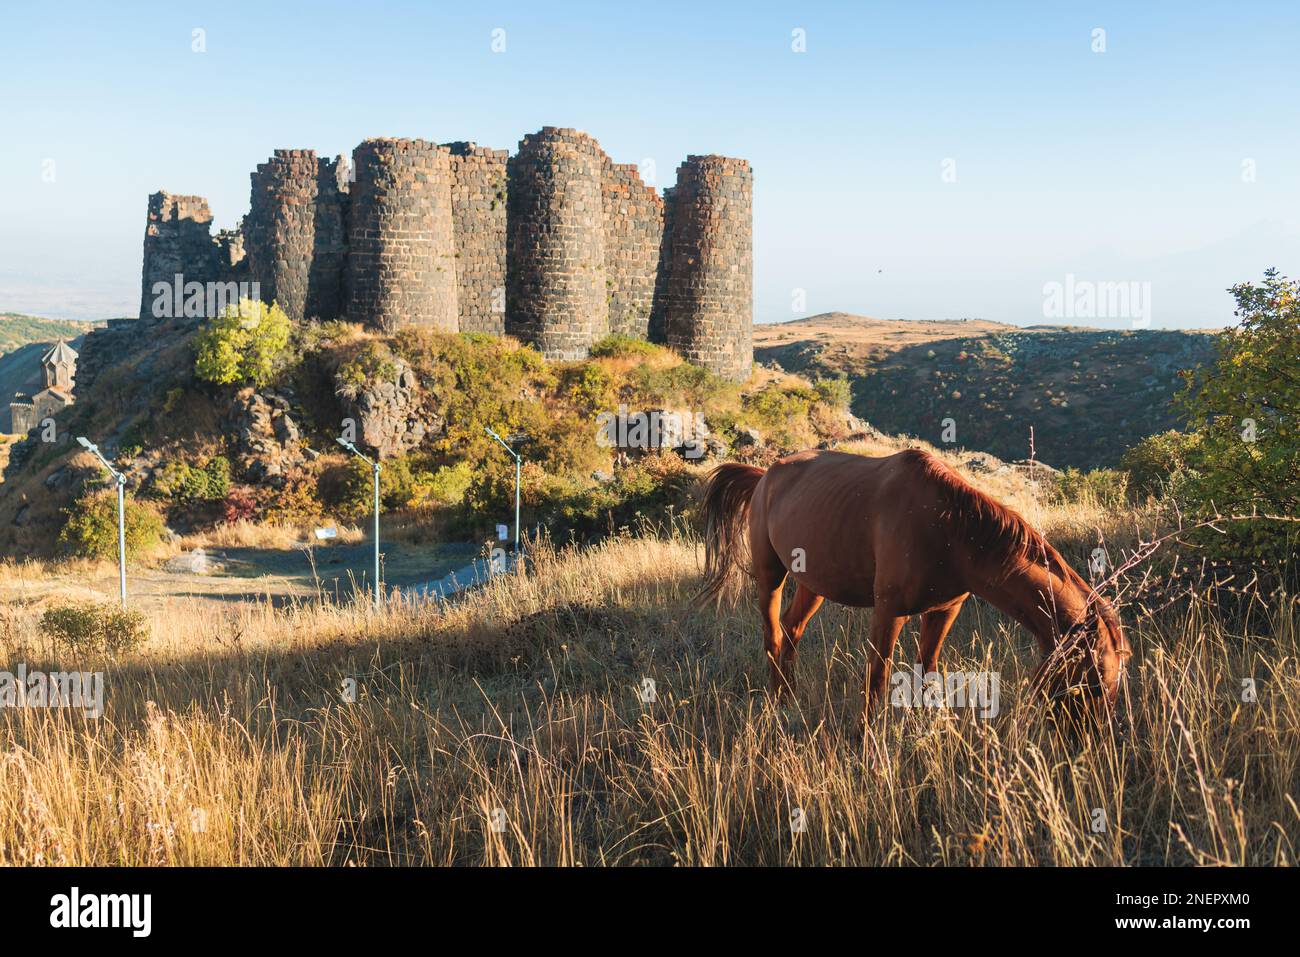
(886, 623)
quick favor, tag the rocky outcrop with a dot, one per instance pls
(264, 438)
(390, 414)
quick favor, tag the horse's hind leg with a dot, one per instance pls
(793, 623)
(935, 625)
(769, 576)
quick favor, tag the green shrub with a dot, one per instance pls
(680, 386)
(618, 346)
(1105, 487)
(1245, 413)
(446, 485)
(245, 345)
(590, 387)
(184, 483)
(86, 627)
(90, 528)
(1157, 463)
(375, 363)
(834, 392)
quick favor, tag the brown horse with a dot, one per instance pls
(905, 535)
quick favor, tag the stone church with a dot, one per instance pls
(59, 367)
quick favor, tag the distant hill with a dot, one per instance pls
(1088, 394)
(17, 330)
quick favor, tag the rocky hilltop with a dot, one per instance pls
(1088, 394)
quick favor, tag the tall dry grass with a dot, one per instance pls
(229, 738)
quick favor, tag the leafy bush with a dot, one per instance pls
(1245, 413)
(86, 627)
(374, 363)
(1105, 487)
(296, 501)
(90, 529)
(245, 345)
(1158, 462)
(590, 387)
(618, 346)
(679, 386)
(834, 392)
(185, 483)
(446, 485)
(241, 504)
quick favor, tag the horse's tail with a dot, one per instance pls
(727, 492)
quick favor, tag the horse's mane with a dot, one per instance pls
(978, 519)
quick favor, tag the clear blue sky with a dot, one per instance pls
(1117, 166)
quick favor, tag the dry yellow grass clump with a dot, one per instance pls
(511, 729)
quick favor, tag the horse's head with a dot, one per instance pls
(1094, 655)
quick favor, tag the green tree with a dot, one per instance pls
(244, 345)
(1245, 411)
(90, 528)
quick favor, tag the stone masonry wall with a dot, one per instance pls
(478, 214)
(556, 295)
(634, 228)
(294, 235)
(556, 245)
(177, 239)
(710, 283)
(401, 250)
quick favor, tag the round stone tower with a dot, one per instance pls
(401, 249)
(294, 235)
(556, 293)
(709, 296)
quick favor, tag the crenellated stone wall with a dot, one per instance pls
(478, 214)
(709, 289)
(177, 241)
(555, 284)
(557, 245)
(401, 250)
(634, 230)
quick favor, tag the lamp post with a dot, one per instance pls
(374, 466)
(121, 512)
(518, 462)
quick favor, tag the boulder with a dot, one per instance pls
(264, 438)
(390, 415)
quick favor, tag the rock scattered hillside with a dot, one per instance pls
(1088, 394)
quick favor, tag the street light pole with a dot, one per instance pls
(374, 467)
(518, 466)
(121, 512)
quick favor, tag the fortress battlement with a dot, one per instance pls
(556, 245)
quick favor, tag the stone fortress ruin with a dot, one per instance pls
(556, 245)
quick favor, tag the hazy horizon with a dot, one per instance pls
(923, 162)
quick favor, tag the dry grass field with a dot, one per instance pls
(510, 728)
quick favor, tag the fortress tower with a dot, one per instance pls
(177, 240)
(709, 287)
(555, 287)
(401, 249)
(294, 234)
